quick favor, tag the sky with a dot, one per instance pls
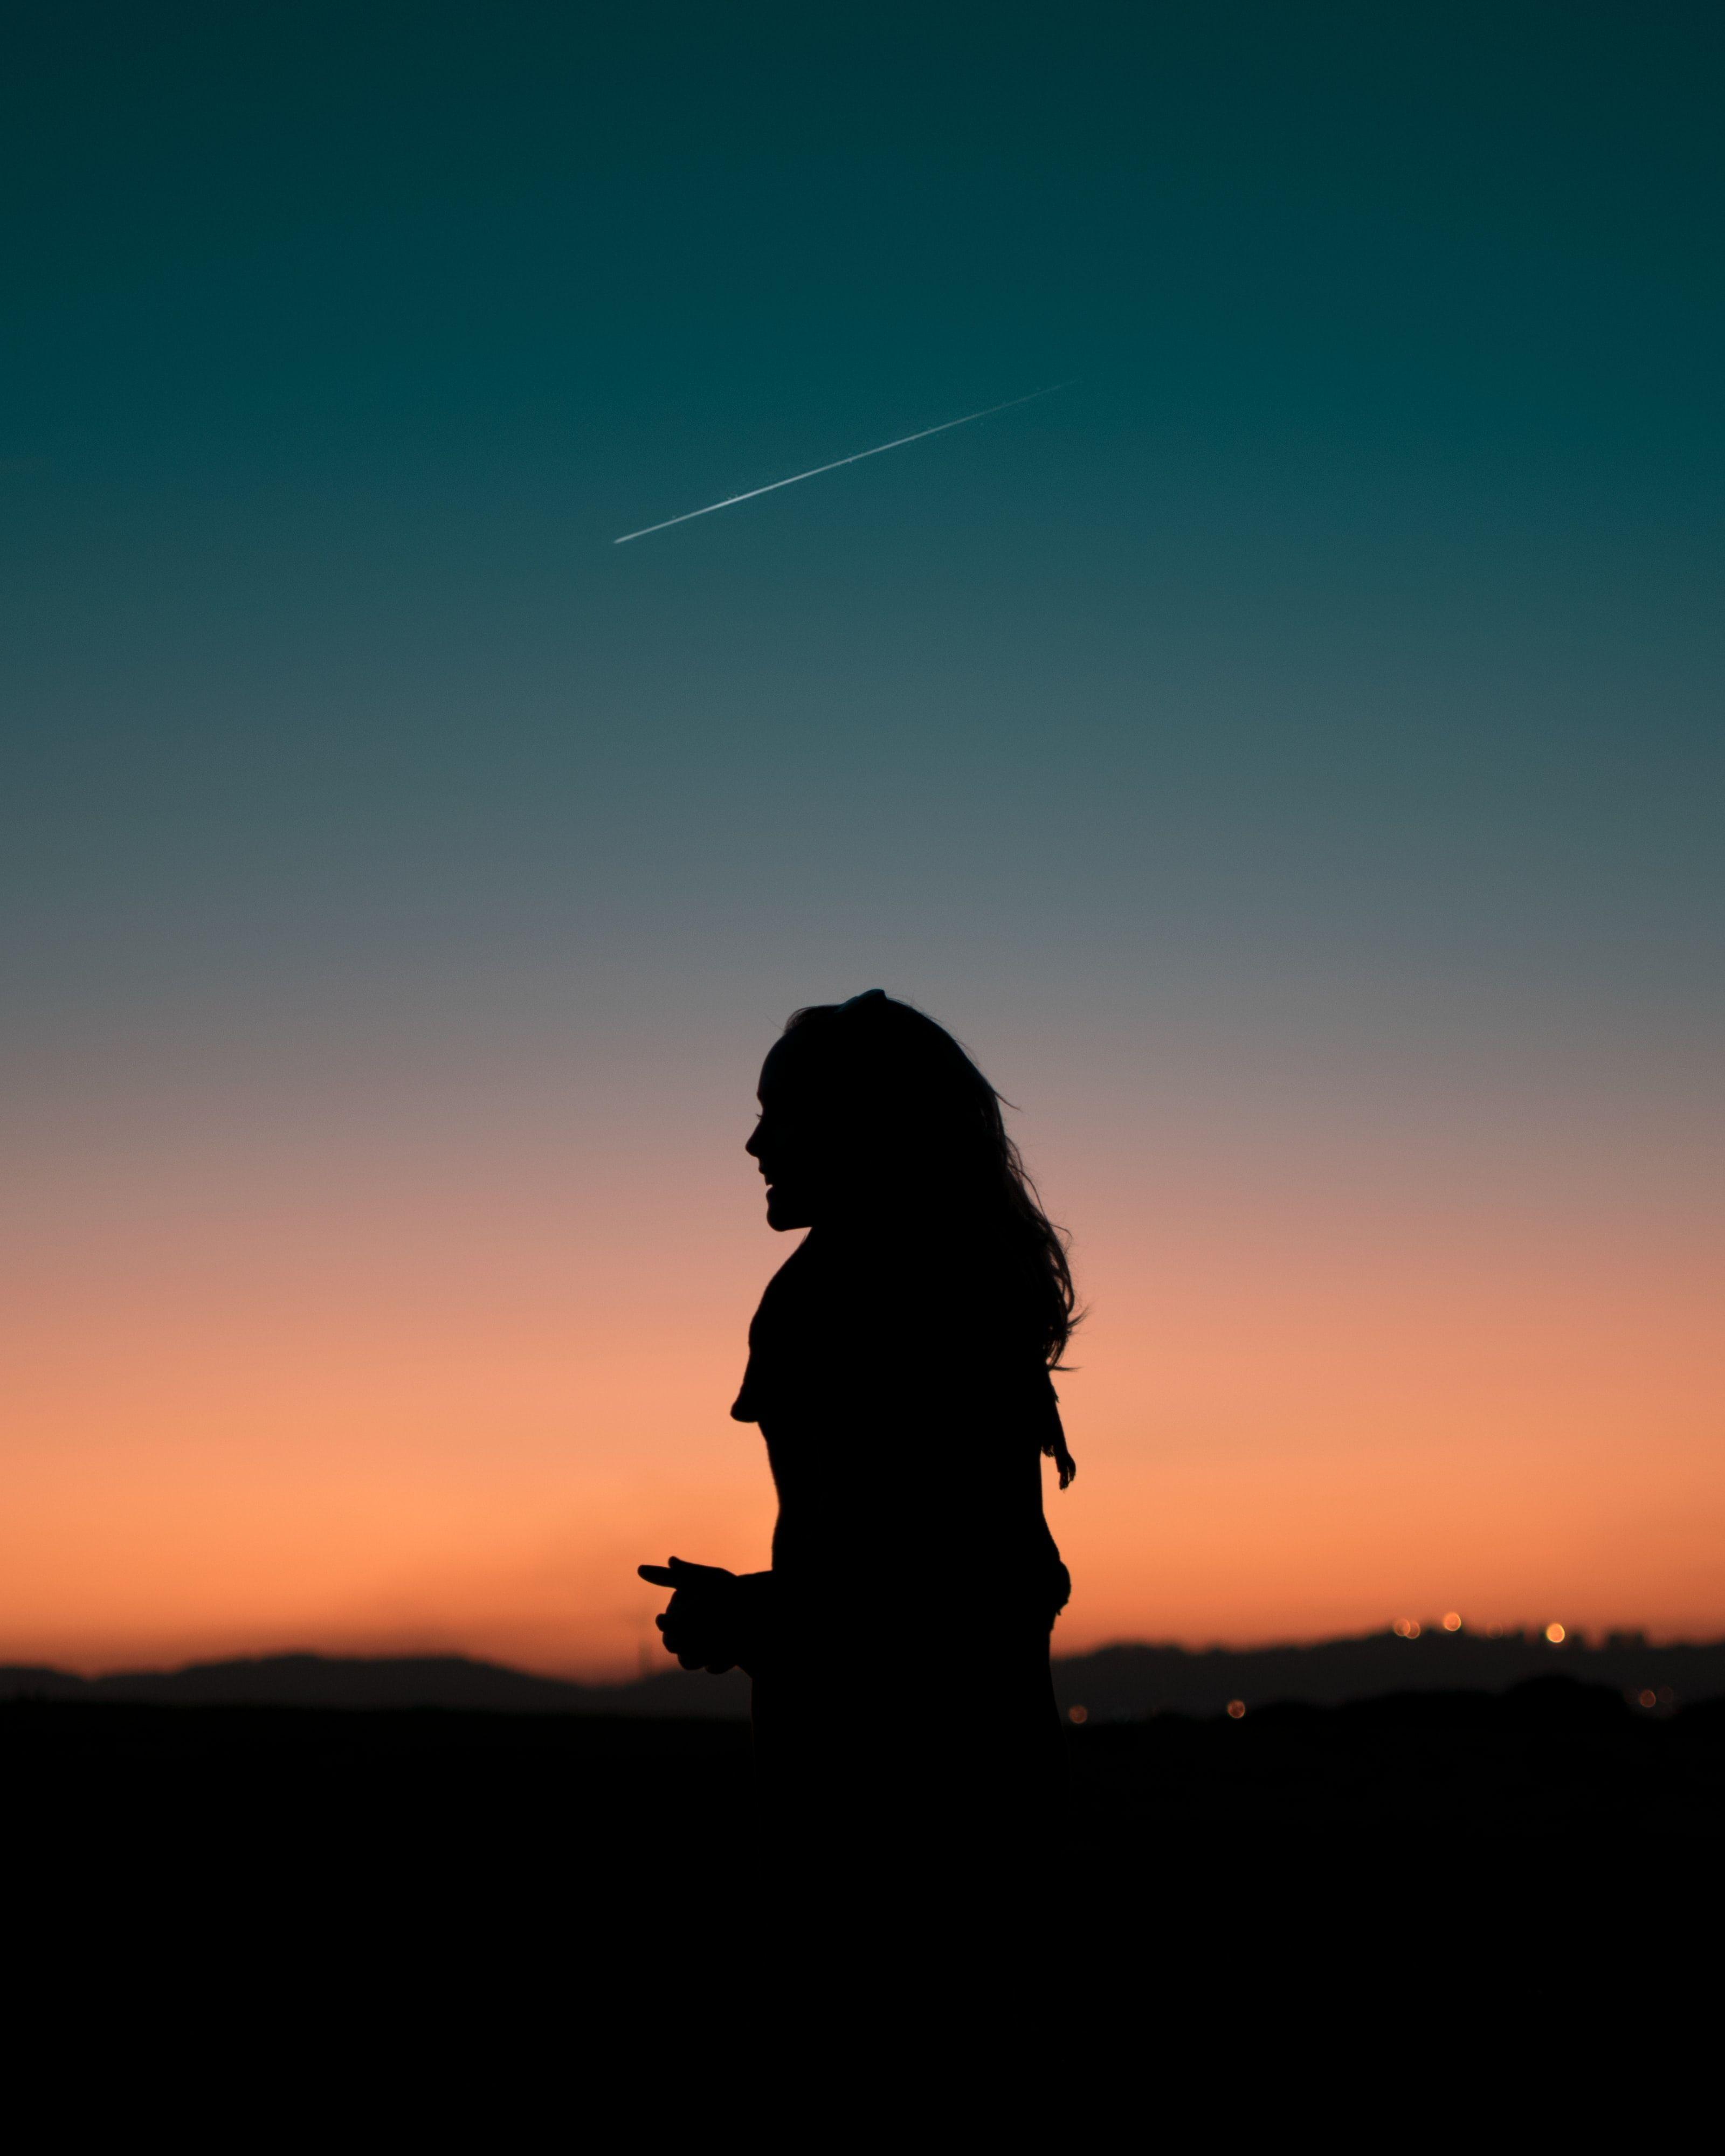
(1289, 756)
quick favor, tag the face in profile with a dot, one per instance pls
(786, 1147)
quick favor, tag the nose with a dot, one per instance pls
(753, 1145)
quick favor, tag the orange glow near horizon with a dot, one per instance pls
(316, 1407)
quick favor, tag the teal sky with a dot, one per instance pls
(1303, 730)
(1355, 611)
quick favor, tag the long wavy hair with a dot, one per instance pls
(901, 1099)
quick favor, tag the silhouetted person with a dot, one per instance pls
(899, 1370)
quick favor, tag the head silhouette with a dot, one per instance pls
(874, 1118)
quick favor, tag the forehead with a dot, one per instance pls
(775, 1069)
(787, 1066)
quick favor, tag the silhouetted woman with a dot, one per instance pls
(899, 1370)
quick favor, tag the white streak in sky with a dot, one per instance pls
(946, 425)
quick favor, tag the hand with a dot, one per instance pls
(701, 1626)
(716, 1620)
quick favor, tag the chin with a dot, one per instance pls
(784, 1214)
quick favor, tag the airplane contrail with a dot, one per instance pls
(879, 449)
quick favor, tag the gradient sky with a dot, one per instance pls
(1291, 758)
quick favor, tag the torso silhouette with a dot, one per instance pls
(914, 1577)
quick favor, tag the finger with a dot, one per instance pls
(657, 1573)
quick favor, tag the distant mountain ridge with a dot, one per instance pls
(1111, 1683)
(409, 1680)
(1130, 1679)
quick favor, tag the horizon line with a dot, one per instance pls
(1576, 1639)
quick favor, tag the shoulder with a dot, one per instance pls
(780, 1323)
(793, 1287)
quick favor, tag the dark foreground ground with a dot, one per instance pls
(279, 1897)
(227, 1803)
(1550, 1756)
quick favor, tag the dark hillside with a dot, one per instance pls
(1131, 1680)
(1113, 1683)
